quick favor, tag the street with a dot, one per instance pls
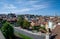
(29, 34)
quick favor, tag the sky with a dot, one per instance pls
(37, 7)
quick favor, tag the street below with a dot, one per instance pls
(34, 36)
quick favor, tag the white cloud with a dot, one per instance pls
(15, 9)
(25, 9)
(29, 2)
(32, 2)
(18, 10)
(9, 6)
(40, 6)
(22, 10)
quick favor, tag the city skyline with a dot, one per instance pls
(37, 7)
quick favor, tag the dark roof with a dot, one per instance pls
(57, 31)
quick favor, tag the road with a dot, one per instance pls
(30, 35)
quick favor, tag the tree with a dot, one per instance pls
(43, 29)
(7, 30)
(20, 21)
(26, 24)
(1, 20)
(36, 28)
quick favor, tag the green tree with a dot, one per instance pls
(43, 28)
(26, 24)
(20, 21)
(36, 28)
(7, 30)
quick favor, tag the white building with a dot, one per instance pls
(58, 23)
(50, 25)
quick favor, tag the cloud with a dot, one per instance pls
(23, 6)
(17, 11)
(39, 6)
(9, 6)
(26, 9)
(21, 10)
(30, 2)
